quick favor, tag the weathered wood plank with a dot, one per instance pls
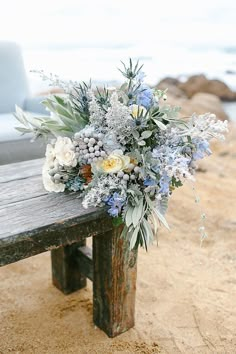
(114, 283)
(20, 170)
(33, 221)
(22, 189)
(25, 218)
(85, 261)
(61, 233)
(66, 273)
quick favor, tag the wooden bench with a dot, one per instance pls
(33, 221)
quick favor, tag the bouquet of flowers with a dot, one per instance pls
(123, 149)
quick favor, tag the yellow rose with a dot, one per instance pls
(114, 163)
(138, 110)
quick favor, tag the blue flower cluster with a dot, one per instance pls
(116, 202)
(75, 185)
(201, 149)
(144, 96)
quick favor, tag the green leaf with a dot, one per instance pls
(135, 134)
(137, 213)
(128, 216)
(134, 237)
(141, 143)
(149, 233)
(23, 130)
(146, 134)
(158, 214)
(159, 124)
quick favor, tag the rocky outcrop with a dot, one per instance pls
(199, 83)
(196, 84)
(200, 103)
(173, 87)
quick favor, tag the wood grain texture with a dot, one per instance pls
(114, 283)
(66, 273)
(20, 170)
(34, 221)
(84, 261)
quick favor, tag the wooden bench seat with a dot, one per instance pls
(33, 221)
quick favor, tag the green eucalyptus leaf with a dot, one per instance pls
(128, 216)
(141, 143)
(134, 237)
(146, 134)
(159, 124)
(137, 213)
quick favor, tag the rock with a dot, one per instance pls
(172, 85)
(199, 83)
(200, 103)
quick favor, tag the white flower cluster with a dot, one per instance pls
(119, 120)
(97, 115)
(102, 187)
(206, 126)
(59, 157)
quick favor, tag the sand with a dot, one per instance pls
(185, 292)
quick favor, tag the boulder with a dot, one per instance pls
(199, 83)
(200, 103)
(172, 85)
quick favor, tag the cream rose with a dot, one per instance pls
(114, 163)
(138, 110)
(64, 152)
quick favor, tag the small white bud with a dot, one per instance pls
(120, 174)
(126, 177)
(92, 141)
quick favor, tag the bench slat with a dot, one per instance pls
(20, 190)
(33, 221)
(20, 170)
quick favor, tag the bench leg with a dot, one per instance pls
(114, 283)
(65, 271)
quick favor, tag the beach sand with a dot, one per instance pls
(185, 299)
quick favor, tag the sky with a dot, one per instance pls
(117, 22)
(81, 38)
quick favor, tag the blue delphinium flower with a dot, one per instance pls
(202, 149)
(144, 96)
(116, 202)
(149, 182)
(164, 184)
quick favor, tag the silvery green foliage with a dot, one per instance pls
(64, 120)
(97, 114)
(101, 187)
(124, 149)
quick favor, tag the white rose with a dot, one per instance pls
(64, 152)
(50, 154)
